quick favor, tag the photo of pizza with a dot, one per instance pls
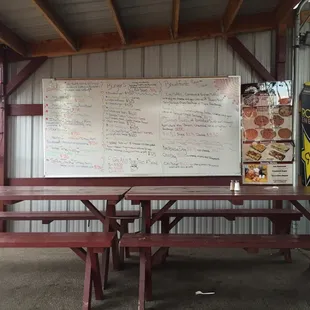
(249, 112)
(261, 120)
(268, 134)
(285, 133)
(277, 120)
(286, 111)
(250, 134)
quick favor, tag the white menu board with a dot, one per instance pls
(142, 127)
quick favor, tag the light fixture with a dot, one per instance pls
(296, 6)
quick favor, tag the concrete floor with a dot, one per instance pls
(48, 279)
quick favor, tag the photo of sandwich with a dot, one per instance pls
(253, 155)
(277, 155)
(280, 147)
(267, 152)
(259, 147)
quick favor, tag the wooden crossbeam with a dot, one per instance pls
(250, 59)
(175, 18)
(9, 38)
(24, 74)
(230, 14)
(117, 20)
(155, 36)
(284, 10)
(53, 18)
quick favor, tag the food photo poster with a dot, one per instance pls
(267, 121)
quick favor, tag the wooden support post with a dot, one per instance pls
(3, 127)
(280, 64)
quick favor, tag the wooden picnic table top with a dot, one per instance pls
(259, 192)
(62, 192)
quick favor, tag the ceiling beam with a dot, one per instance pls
(284, 10)
(117, 21)
(250, 59)
(56, 22)
(155, 36)
(9, 38)
(231, 12)
(175, 18)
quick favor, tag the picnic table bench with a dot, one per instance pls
(94, 243)
(146, 241)
(282, 219)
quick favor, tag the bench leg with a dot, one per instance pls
(283, 227)
(107, 227)
(127, 250)
(165, 230)
(91, 266)
(123, 251)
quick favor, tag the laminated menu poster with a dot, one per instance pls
(268, 174)
(267, 151)
(267, 94)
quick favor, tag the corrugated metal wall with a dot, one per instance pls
(201, 58)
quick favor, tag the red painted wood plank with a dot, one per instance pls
(25, 109)
(62, 193)
(215, 241)
(86, 215)
(56, 240)
(128, 181)
(61, 215)
(140, 193)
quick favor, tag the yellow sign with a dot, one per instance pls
(305, 155)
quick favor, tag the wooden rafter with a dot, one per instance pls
(284, 10)
(117, 20)
(155, 36)
(231, 12)
(9, 38)
(280, 63)
(175, 18)
(250, 59)
(57, 23)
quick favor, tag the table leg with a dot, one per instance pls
(146, 228)
(111, 211)
(284, 227)
(142, 280)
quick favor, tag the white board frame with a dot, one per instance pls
(239, 174)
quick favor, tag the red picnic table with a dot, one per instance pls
(143, 195)
(112, 194)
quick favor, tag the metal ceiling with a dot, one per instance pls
(85, 17)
